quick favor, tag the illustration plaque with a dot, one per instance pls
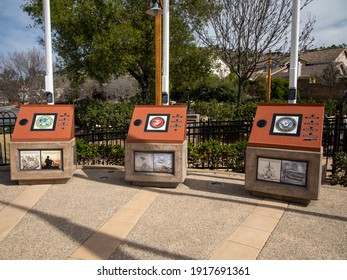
(154, 162)
(40, 159)
(282, 171)
(157, 123)
(44, 121)
(285, 124)
(51, 159)
(30, 160)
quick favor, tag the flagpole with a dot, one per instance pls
(48, 53)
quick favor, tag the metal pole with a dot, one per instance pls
(158, 60)
(166, 30)
(294, 57)
(269, 78)
(48, 53)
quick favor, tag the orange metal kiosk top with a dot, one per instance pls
(288, 126)
(158, 124)
(44, 123)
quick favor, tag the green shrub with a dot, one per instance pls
(92, 113)
(214, 154)
(210, 154)
(340, 169)
(238, 156)
(90, 154)
(217, 111)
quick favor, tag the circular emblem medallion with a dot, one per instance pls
(157, 122)
(286, 124)
(44, 122)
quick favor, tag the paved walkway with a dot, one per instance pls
(98, 215)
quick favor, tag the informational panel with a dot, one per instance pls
(288, 126)
(291, 172)
(44, 123)
(41, 159)
(158, 124)
(158, 162)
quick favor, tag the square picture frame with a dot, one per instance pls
(157, 123)
(44, 122)
(29, 160)
(286, 124)
(52, 159)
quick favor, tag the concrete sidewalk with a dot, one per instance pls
(98, 215)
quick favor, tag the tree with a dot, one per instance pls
(22, 76)
(242, 31)
(93, 38)
(101, 39)
(329, 77)
(279, 89)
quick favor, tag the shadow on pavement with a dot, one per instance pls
(74, 230)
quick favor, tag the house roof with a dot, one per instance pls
(313, 63)
(321, 56)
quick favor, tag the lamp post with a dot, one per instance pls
(159, 7)
(156, 10)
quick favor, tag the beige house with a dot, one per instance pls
(312, 82)
(312, 65)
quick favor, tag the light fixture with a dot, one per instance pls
(155, 8)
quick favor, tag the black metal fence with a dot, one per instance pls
(109, 136)
(7, 121)
(335, 135)
(225, 132)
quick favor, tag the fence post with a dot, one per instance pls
(93, 135)
(1, 162)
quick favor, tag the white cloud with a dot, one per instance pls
(331, 21)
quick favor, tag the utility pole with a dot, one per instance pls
(158, 60)
(166, 29)
(269, 77)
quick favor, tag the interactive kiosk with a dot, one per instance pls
(284, 152)
(156, 146)
(43, 145)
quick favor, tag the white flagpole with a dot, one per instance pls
(48, 53)
(294, 57)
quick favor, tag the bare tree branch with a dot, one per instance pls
(243, 31)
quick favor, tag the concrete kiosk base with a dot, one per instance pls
(48, 176)
(266, 188)
(156, 179)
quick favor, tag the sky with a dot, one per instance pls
(330, 27)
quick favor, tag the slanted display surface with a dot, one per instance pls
(44, 123)
(288, 126)
(158, 124)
